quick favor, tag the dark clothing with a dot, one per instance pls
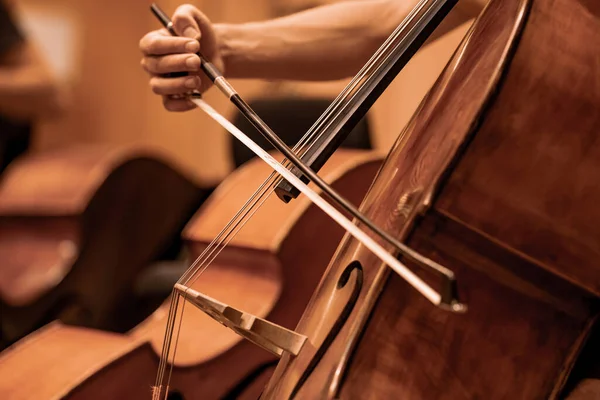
(291, 118)
(14, 136)
(10, 33)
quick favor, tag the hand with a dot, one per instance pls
(164, 54)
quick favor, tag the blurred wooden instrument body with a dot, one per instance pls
(496, 178)
(270, 268)
(77, 225)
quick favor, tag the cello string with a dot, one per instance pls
(170, 321)
(416, 282)
(378, 57)
(307, 141)
(224, 244)
(201, 268)
(212, 252)
(219, 243)
(304, 145)
(317, 130)
(352, 229)
(208, 259)
(225, 231)
(266, 187)
(157, 390)
(205, 264)
(184, 300)
(220, 82)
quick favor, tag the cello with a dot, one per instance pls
(77, 225)
(495, 179)
(270, 267)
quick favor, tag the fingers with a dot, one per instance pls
(186, 21)
(173, 63)
(171, 86)
(158, 43)
(177, 105)
(165, 54)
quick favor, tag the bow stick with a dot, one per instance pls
(448, 301)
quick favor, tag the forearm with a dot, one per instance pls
(328, 42)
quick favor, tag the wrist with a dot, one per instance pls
(236, 47)
(225, 46)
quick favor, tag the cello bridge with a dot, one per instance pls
(271, 337)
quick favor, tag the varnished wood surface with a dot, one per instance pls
(39, 368)
(300, 266)
(518, 340)
(526, 323)
(62, 182)
(212, 360)
(226, 200)
(416, 162)
(540, 146)
(77, 225)
(26, 274)
(78, 355)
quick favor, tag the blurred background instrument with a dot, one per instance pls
(97, 189)
(77, 226)
(271, 268)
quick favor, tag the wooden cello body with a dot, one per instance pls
(270, 268)
(496, 177)
(77, 225)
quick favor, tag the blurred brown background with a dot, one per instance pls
(93, 47)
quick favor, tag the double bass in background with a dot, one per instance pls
(271, 267)
(76, 224)
(77, 227)
(494, 178)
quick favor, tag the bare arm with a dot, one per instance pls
(328, 42)
(324, 43)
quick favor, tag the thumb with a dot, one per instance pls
(184, 22)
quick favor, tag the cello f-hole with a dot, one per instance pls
(339, 323)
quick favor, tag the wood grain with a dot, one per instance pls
(500, 160)
(530, 177)
(416, 163)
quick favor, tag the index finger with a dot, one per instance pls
(159, 43)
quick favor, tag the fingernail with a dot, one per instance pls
(191, 32)
(191, 82)
(192, 46)
(192, 63)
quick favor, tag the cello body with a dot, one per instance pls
(76, 227)
(495, 178)
(269, 269)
